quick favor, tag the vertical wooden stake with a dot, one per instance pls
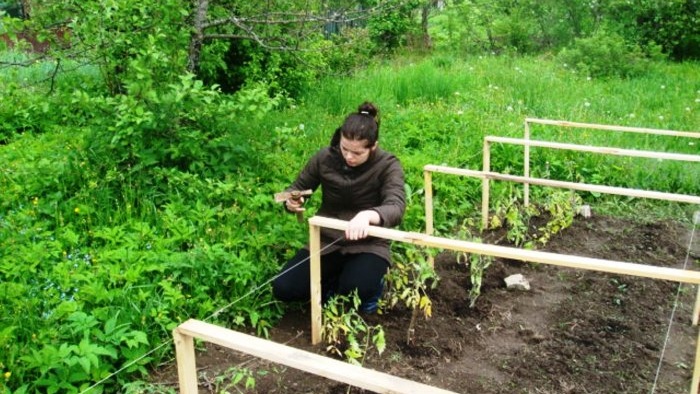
(485, 185)
(696, 310)
(526, 165)
(428, 180)
(429, 228)
(186, 366)
(696, 371)
(315, 272)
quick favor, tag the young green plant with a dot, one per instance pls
(477, 263)
(410, 278)
(347, 333)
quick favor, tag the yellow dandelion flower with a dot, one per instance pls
(77, 210)
(7, 375)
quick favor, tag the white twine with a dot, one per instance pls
(696, 221)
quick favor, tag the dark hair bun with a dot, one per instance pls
(368, 108)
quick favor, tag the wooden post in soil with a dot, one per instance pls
(526, 165)
(315, 268)
(696, 371)
(428, 180)
(186, 366)
(429, 227)
(696, 310)
(485, 187)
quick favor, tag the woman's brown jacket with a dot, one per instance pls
(377, 184)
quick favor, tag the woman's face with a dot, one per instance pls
(355, 152)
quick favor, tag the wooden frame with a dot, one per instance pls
(313, 363)
(580, 148)
(560, 123)
(485, 175)
(600, 265)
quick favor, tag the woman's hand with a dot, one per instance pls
(295, 205)
(358, 227)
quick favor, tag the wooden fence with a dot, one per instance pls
(559, 123)
(383, 383)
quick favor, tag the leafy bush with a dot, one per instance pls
(126, 234)
(242, 64)
(672, 25)
(349, 50)
(604, 55)
(390, 29)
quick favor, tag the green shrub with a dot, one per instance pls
(349, 50)
(390, 29)
(604, 55)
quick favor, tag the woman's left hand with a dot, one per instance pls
(358, 227)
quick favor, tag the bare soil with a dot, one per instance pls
(574, 331)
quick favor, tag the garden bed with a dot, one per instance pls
(575, 331)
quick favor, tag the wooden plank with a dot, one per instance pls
(596, 149)
(696, 309)
(685, 198)
(485, 186)
(674, 133)
(306, 361)
(601, 265)
(428, 187)
(186, 366)
(429, 226)
(696, 371)
(454, 171)
(526, 166)
(315, 272)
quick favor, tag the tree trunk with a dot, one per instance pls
(197, 36)
(427, 42)
(26, 9)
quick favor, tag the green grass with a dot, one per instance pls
(438, 111)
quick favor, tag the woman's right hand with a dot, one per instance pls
(293, 205)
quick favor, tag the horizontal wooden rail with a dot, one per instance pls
(684, 198)
(534, 256)
(561, 123)
(595, 149)
(337, 370)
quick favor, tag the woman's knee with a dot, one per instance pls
(366, 287)
(292, 283)
(285, 290)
